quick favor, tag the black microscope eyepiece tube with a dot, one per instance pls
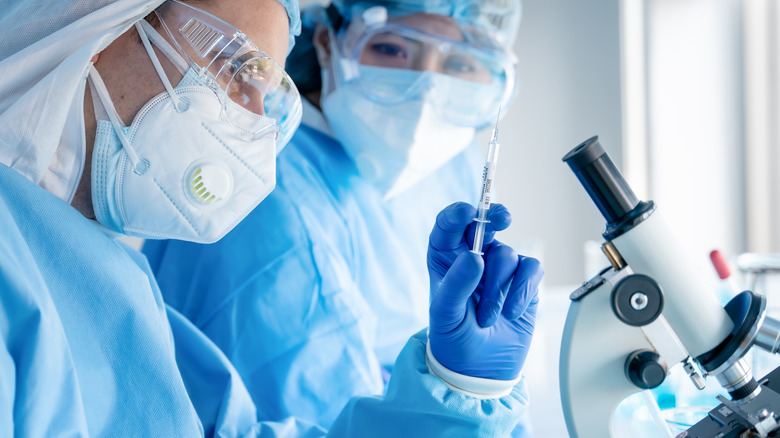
(607, 187)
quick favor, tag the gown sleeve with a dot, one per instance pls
(417, 402)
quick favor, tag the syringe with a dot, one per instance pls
(488, 173)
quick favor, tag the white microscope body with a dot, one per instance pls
(630, 324)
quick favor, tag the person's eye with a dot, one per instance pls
(389, 49)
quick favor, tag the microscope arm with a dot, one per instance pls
(590, 393)
(604, 359)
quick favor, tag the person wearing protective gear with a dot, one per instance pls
(87, 345)
(345, 233)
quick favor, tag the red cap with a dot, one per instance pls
(720, 264)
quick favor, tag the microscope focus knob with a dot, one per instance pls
(645, 369)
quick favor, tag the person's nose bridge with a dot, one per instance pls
(256, 106)
(429, 59)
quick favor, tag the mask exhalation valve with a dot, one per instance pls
(208, 183)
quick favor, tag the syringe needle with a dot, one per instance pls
(495, 130)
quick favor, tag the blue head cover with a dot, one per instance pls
(302, 64)
(295, 20)
(499, 18)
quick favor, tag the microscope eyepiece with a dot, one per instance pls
(606, 187)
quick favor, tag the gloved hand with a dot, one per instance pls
(483, 308)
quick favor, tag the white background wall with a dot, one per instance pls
(569, 90)
(695, 122)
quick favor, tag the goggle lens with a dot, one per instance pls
(394, 63)
(235, 66)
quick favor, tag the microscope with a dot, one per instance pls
(649, 311)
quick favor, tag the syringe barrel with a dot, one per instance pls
(488, 176)
(479, 237)
(482, 213)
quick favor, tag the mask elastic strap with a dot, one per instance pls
(97, 104)
(332, 70)
(140, 165)
(164, 46)
(160, 72)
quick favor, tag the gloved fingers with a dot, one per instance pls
(449, 303)
(500, 266)
(499, 219)
(528, 319)
(523, 292)
(447, 233)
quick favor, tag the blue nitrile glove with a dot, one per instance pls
(483, 308)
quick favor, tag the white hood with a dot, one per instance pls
(44, 56)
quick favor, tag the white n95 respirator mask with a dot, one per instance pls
(182, 170)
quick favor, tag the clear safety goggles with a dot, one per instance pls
(473, 79)
(234, 67)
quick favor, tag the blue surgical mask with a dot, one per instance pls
(395, 146)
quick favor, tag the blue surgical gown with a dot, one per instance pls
(88, 348)
(315, 293)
